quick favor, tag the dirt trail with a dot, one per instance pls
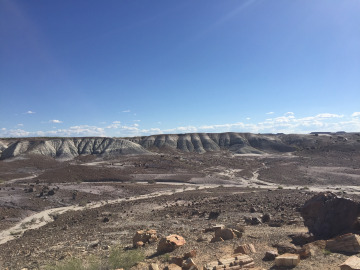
(40, 219)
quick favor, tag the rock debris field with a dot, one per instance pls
(187, 201)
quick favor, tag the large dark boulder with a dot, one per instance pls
(327, 215)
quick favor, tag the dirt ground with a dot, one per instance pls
(52, 210)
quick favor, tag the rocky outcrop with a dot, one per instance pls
(327, 215)
(68, 148)
(240, 143)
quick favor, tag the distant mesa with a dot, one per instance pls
(236, 143)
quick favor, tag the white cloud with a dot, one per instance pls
(289, 113)
(55, 121)
(20, 125)
(115, 124)
(270, 113)
(329, 115)
(126, 111)
(288, 123)
(248, 118)
(29, 112)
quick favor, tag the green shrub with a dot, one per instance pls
(91, 263)
(119, 258)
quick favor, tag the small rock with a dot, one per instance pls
(352, 263)
(287, 260)
(225, 234)
(106, 219)
(153, 266)
(216, 239)
(191, 254)
(270, 255)
(172, 267)
(301, 239)
(286, 248)
(188, 264)
(213, 215)
(148, 236)
(265, 218)
(176, 260)
(245, 249)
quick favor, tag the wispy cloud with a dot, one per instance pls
(126, 111)
(287, 123)
(29, 112)
(55, 121)
(270, 113)
(20, 125)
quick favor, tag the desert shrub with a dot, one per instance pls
(91, 263)
(119, 258)
(72, 264)
(280, 187)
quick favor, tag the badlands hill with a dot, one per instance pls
(237, 143)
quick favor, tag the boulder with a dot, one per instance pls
(352, 263)
(327, 215)
(347, 243)
(170, 243)
(287, 260)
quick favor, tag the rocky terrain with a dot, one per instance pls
(79, 200)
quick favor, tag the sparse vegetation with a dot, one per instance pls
(119, 258)
(280, 187)
(91, 263)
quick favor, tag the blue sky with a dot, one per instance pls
(139, 67)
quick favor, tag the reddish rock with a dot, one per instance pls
(245, 249)
(347, 243)
(352, 263)
(170, 243)
(148, 236)
(191, 254)
(287, 260)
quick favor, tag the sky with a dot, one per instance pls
(125, 68)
